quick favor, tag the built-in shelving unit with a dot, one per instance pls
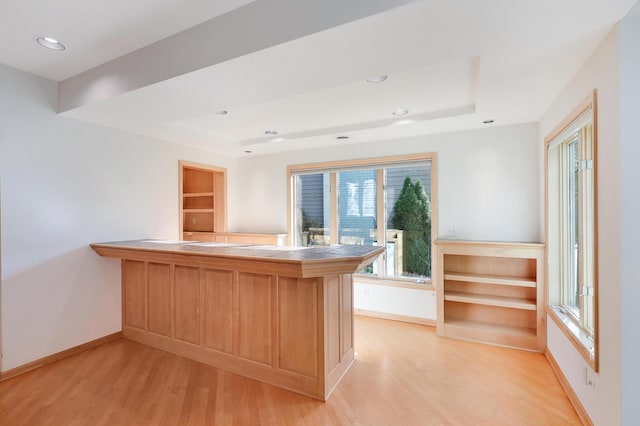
(203, 215)
(202, 201)
(491, 292)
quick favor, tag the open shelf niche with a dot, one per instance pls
(202, 201)
(203, 211)
(491, 292)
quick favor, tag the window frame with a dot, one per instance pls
(574, 323)
(377, 163)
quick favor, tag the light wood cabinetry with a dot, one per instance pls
(280, 315)
(202, 199)
(236, 238)
(491, 292)
(203, 215)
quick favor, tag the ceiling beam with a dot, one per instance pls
(251, 28)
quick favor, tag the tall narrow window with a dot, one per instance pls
(386, 201)
(571, 229)
(312, 220)
(572, 289)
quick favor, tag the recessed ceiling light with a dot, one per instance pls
(400, 112)
(343, 137)
(488, 121)
(270, 132)
(222, 112)
(377, 79)
(403, 122)
(50, 43)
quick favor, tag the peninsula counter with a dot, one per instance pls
(281, 315)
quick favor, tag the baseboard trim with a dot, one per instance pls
(395, 317)
(573, 398)
(9, 374)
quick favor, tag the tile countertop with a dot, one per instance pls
(285, 254)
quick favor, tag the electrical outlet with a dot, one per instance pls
(366, 291)
(589, 377)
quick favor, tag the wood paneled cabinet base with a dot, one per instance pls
(296, 333)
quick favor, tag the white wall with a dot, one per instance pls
(66, 184)
(630, 213)
(487, 182)
(411, 302)
(600, 72)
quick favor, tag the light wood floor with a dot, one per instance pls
(404, 375)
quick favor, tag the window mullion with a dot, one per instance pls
(333, 208)
(381, 221)
(581, 225)
(586, 230)
(565, 223)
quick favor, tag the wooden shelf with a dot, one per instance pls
(481, 299)
(490, 279)
(497, 334)
(491, 327)
(198, 210)
(207, 237)
(198, 194)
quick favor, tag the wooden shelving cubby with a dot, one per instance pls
(491, 292)
(203, 215)
(202, 201)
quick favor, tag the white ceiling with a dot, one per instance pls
(451, 64)
(95, 32)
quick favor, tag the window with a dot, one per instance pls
(385, 201)
(571, 228)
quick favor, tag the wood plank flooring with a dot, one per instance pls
(404, 375)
